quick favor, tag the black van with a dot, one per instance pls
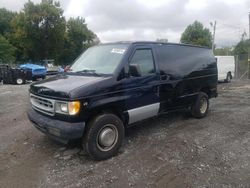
(115, 85)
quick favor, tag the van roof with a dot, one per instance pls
(157, 43)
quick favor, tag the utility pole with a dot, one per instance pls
(214, 28)
(248, 59)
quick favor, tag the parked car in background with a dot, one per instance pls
(52, 69)
(113, 86)
(38, 71)
(9, 75)
(226, 68)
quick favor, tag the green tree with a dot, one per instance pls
(7, 51)
(241, 47)
(6, 17)
(224, 51)
(197, 34)
(18, 37)
(39, 30)
(77, 38)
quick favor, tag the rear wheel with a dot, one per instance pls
(200, 108)
(229, 77)
(103, 136)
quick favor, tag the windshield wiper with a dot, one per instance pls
(91, 71)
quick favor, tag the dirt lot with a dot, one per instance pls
(174, 150)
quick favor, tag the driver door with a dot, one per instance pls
(142, 85)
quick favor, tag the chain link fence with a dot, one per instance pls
(242, 67)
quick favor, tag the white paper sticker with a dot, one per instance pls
(118, 51)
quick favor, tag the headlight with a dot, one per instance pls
(71, 108)
(64, 107)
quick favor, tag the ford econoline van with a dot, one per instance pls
(115, 85)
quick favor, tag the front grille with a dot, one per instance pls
(42, 104)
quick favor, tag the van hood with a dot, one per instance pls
(63, 86)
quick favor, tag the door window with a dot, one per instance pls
(142, 61)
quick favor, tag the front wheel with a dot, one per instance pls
(103, 136)
(200, 107)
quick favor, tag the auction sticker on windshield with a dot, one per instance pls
(118, 50)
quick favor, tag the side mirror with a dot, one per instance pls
(134, 70)
(122, 75)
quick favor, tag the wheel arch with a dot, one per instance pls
(112, 109)
(229, 73)
(206, 90)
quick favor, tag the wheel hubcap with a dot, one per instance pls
(19, 81)
(203, 106)
(107, 137)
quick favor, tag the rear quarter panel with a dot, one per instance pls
(189, 69)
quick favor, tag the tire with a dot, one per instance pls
(43, 77)
(200, 107)
(20, 81)
(103, 137)
(229, 77)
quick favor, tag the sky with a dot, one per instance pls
(126, 20)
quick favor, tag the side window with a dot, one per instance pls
(142, 63)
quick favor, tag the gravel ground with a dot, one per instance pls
(174, 150)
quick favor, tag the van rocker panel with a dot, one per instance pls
(144, 112)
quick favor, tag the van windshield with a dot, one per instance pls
(102, 59)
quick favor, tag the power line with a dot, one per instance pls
(229, 25)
